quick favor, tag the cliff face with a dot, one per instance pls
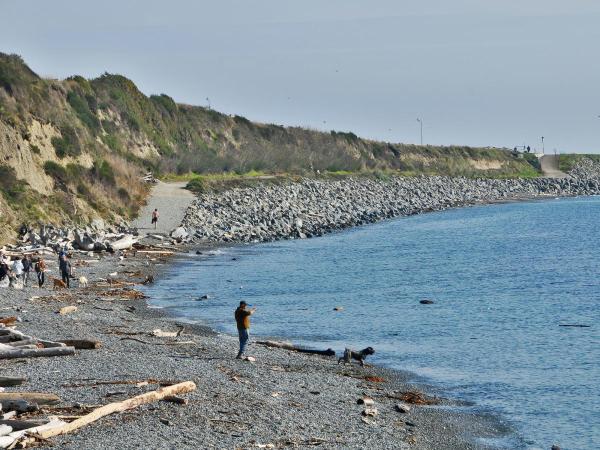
(75, 149)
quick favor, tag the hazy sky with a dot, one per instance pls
(479, 72)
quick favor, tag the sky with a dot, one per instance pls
(498, 73)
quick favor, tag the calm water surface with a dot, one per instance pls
(503, 278)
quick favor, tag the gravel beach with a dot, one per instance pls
(283, 399)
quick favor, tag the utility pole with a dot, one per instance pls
(208, 101)
(421, 122)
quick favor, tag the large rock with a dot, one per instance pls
(179, 234)
(312, 207)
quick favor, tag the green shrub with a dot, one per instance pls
(67, 144)
(197, 185)
(83, 190)
(533, 161)
(75, 171)
(104, 172)
(35, 149)
(82, 109)
(12, 188)
(166, 103)
(240, 120)
(123, 194)
(113, 142)
(56, 171)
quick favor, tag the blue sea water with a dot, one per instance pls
(503, 278)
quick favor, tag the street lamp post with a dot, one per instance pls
(543, 148)
(421, 122)
(208, 101)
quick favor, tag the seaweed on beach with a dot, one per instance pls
(416, 398)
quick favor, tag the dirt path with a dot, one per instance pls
(550, 168)
(171, 200)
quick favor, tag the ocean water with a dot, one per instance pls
(503, 278)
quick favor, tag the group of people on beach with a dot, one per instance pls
(16, 272)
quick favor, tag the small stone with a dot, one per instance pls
(367, 401)
(250, 358)
(403, 408)
(370, 412)
(67, 310)
(165, 421)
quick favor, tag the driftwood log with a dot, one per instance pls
(17, 425)
(20, 406)
(148, 397)
(36, 352)
(124, 243)
(12, 381)
(292, 347)
(40, 398)
(82, 344)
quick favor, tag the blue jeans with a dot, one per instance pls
(244, 336)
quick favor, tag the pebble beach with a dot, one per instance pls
(283, 399)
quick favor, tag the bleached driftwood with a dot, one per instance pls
(26, 436)
(124, 243)
(156, 252)
(148, 397)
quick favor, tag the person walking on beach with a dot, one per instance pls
(18, 269)
(242, 318)
(40, 270)
(155, 216)
(26, 269)
(65, 270)
(4, 270)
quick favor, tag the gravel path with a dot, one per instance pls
(550, 164)
(284, 399)
(172, 201)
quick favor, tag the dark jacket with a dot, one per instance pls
(65, 265)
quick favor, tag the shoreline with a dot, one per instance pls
(295, 396)
(291, 398)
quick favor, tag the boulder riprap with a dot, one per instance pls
(313, 207)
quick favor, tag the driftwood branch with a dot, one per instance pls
(111, 408)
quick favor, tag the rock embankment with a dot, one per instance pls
(314, 207)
